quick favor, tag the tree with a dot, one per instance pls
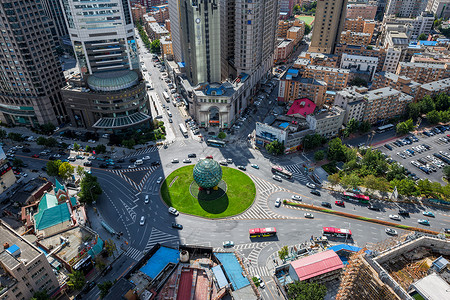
(352, 125)
(40, 295)
(405, 127)
(382, 184)
(53, 167)
(3, 134)
(51, 142)
(110, 247)
(422, 37)
(334, 179)
(351, 180)
(42, 141)
(283, 252)
(442, 102)
(17, 163)
(17, 137)
(301, 290)
(222, 135)
(358, 81)
(100, 148)
(444, 116)
(65, 170)
(370, 182)
(433, 117)
(413, 110)
(76, 280)
(364, 126)
(47, 128)
(255, 281)
(319, 155)
(128, 143)
(155, 46)
(76, 147)
(89, 189)
(296, 11)
(104, 288)
(446, 171)
(424, 187)
(336, 150)
(307, 29)
(426, 105)
(80, 171)
(275, 148)
(312, 141)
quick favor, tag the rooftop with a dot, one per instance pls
(432, 287)
(51, 213)
(113, 81)
(329, 113)
(423, 65)
(119, 122)
(437, 85)
(382, 93)
(317, 264)
(329, 69)
(302, 107)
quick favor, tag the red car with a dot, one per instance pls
(209, 157)
(35, 155)
(339, 202)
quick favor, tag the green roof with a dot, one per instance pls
(48, 201)
(59, 186)
(113, 81)
(52, 216)
(73, 200)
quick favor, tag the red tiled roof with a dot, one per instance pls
(302, 106)
(317, 264)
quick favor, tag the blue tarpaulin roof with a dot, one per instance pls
(159, 260)
(220, 276)
(293, 72)
(233, 270)
(181, 64)
(283, 125)
(346, 248)
(428, 43)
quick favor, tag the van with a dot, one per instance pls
(169, 114)
(139, 162)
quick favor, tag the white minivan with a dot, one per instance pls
(139, 162)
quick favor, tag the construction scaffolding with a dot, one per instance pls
(360, 281)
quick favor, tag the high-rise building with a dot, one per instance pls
(174, 16)
(54, 11)
(328, 25)
(200, 23)
(110, 94)
(31, 75)
(405, 8)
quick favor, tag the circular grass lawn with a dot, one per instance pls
(239, 195)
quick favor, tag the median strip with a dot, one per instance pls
(381, 222)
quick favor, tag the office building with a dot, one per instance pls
(440, 8)
(24, 268)
(109, 93)
(405, 8)
(328, 25)
(200, 37)
(174, 16)
(31, 73)
(422, 72)
(53, 10)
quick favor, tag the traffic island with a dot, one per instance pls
(235, 189)
(347, 215)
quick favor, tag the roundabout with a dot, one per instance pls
(232, 194)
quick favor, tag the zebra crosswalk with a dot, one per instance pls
(158, 236)
(134, 253)
(260, 210)
(138, 186)
(144, 151)
(261, 271)
(243, 247)
(297, 172)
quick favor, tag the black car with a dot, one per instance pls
(374, 207)
(52, 158)
(388, 146)
(26, 150)
(117, 167)
(155, 163)
(132, 160)
(325, 204)
(243, 168)
(120, 160)
(89, 286)
(314, 192)
(44, 168)
(87, 163)
(34, 170)
(403, 212)
(62, 153)
(192, 155)
(103, 166)
(177, 226)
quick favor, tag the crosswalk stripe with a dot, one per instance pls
(261, 271)
(134, 253)
(140, 185)
(158, 236)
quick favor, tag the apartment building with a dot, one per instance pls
(360, 25)
(32, 77)
(328, 122)
(138, 11)
(433, 89)
(160, 13)
(352, 102)
(423, 23)
(335, 78)
(440, 8)
(405, 8)
(166, 47)
(318, 59)
(284, 50)
(328, 25)
(155, 31)
(24, 268)
(296, 33)
(384, 103)
(423, 73)
(7, 177)
(367, 11)
(294, 86)
(355, 38)
(391, 59)
(397, 82)
(283, 26)
(359, 66)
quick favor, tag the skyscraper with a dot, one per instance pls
(30, 73)
(174, 16)
(110, 94)
(54, 12)
(328, 25)
(200, 37)
(405, 8)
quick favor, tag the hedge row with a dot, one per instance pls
(343, 214)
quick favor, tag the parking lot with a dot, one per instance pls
(424, 155)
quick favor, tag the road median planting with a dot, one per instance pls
(347, 215)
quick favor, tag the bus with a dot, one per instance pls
(361, 198)
(337, 232)
(262, 232)
(282, 172)
(183, 130)
(385, 128)
(166, 96)
(215, 143)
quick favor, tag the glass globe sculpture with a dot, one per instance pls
(207, 173)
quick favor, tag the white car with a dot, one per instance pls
(131, 166)
(187, 161)
(175, 160)
(309, 215)
(146, 201)
(25, 175)
(277, 178)
(146, 157)
(310, 185)
(142, 221)
(277, 202)
(296, 197)
(173, 211)
(261, 282)
(159, 180)
(391, 231)
(394, 217)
